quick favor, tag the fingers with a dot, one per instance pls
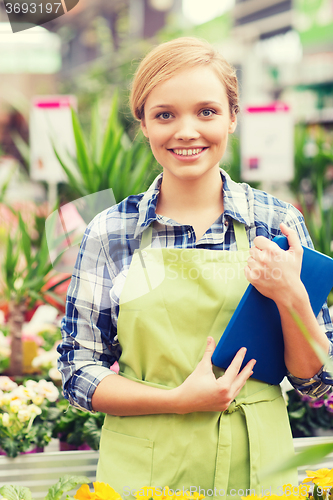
(293, 239)
(210, 348)
(262, 243)
(243, 376)
(235, 365)
(232, 372)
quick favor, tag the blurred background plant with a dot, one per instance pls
(101, 44)
(27, 415)
(24, 280)
(77, 429)
(307, 416)
(109, 159)
(313, 184)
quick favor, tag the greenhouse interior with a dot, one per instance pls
(70, 149)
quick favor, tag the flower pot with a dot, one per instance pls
(34, 449)
(63, 446)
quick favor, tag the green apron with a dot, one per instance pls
(171, 301)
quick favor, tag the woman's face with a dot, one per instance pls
(187, 122)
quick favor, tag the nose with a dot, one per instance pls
(187, 130)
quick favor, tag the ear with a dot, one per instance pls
(144, 128)
(232, 123)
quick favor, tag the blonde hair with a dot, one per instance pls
(169, 58)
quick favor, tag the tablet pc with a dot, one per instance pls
(256, 322)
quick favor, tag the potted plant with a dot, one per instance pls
(77, 429)
(321, 479)
(25, 272)
(64, 485)
(27, 415)
(307, 415)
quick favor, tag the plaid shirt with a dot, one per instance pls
(89, 328)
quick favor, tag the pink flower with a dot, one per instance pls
(306, 398)
(329, 403)
(318, 403)
(32, 337)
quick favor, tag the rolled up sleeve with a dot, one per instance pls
(86, 352)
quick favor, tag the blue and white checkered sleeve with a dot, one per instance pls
(323, 380)
(87, 331)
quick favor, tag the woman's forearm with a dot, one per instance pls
(300, 357)
(200, 391)
(276, 274)
(117, 395)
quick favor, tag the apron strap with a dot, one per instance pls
(240, 236)
(225, 441)
(147, 237)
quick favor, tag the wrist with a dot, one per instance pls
(176, 401)
(293, 298)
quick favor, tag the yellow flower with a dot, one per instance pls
(254, 497)
(150, 492)
(295, 492)
(197, 496)
(322, 478)
(102, 492)
(83, 493)
(286, 496)
(290, 492)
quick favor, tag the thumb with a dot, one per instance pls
(293, 239)
(210, 348)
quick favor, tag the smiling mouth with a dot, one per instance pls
(187, 152)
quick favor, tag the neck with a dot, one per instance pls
(190, 195)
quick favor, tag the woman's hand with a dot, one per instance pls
(202, 391)
(274, 272)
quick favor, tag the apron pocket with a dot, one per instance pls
(125, 462)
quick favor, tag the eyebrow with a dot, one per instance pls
(203, 103)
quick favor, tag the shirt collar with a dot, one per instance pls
(236, 200)
(236, 203)
(147, 206)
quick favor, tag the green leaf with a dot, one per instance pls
(320, 352)
(60, 282)
(311, 455)
(55, 297)
(22, 146)
(43, 259)
(298, 413)
(112, 126)
(25, 240)
(84, 162)
(35, 283)
(4, 186)
(95, 134)
(74, 182)
(15, 492)
(65, 483)
(92, 433)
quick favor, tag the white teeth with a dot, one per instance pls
(187, 152)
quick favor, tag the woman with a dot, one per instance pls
(154, 270)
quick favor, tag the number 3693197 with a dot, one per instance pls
(31, 8)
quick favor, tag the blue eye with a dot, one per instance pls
(207, 112)
(165, 116)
